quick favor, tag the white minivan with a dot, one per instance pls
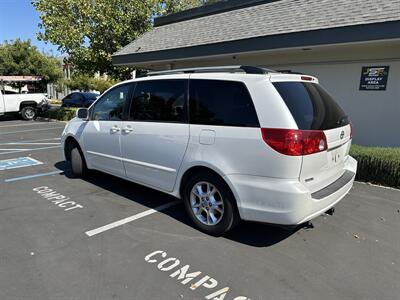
(233, 143)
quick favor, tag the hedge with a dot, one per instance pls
(378, 165)
(61, 114)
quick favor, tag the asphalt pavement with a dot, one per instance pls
(107, 238)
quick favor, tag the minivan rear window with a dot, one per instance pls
(311, 106)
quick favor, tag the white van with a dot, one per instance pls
(234, 143)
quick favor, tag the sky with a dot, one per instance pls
(19, 19)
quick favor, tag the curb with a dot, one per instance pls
(378, 185)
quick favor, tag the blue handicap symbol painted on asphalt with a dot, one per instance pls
(19, 162)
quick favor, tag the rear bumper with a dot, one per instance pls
(287, 202)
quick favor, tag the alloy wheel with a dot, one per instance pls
(207, 203)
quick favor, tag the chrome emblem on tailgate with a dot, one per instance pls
(342, 135)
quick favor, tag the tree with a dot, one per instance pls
(21, 58)
(81, 82)
(102, 84)
(91, 31)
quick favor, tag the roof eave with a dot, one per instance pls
(330, 36)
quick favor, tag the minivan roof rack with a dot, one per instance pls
(230, 69)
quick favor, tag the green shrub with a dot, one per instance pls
(84, 82)
(61, 114)
(378, 165)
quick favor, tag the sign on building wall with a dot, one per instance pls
(374, 78)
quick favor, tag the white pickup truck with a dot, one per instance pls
(28, 105)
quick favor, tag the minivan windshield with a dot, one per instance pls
(311, 106)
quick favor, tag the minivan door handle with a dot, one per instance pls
(115, 129)
(127, 129)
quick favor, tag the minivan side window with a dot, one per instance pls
(220, 102)
(159, 101)
(110, 106)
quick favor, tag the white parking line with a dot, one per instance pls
(11, 149)
(36, 149)
(33, 176)
(27, 124)
(29, 141)
(31, 144)
(42, 129)
(130, 219)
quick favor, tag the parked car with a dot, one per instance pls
(234, 143)
(79, 99)
(28, 105)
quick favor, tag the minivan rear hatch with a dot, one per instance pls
(314, 109)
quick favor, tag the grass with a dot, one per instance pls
(378, 165)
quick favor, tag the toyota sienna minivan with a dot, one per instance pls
(237, 142)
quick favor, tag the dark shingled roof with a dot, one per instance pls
(262, 20)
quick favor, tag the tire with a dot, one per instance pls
(221, 205)
(28, 113)
(78, 164)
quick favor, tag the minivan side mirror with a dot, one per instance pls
(82, 113)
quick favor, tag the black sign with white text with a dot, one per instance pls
(374, 78)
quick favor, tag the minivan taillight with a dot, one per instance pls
(295, 142)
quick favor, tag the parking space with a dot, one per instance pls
(106, 238)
